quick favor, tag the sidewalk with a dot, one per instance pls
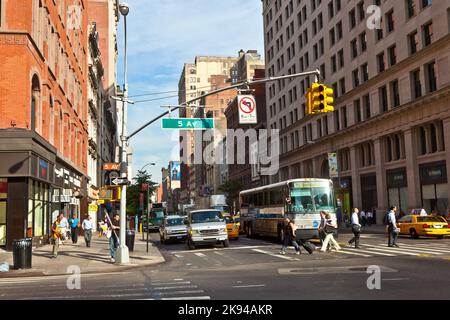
(95, 259)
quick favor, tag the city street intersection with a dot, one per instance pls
(253, 269)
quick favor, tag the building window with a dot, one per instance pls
(341, 58)
(430, 73)
(357, 107)
(330, 10)
(339, 30)
(333, 64)
(355, 76)
(354, 48)
(332, 37)
(352, 19)
(361, 12)
(395, 93)
(427, 34)
(390, 21)
(344, 117)
(416, 84)
(342, 86)
(410, 8)
(365, 72)
(380, 62)
(383, 99)
(363, 41)
(367, 111)
(426, 3)
(392, 55)
(336, 120)
(413, 40)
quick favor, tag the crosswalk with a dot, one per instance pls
(176, 289)
(270, 253)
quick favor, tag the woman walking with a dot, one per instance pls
(329, 229)
(289, 236)
(356, 228)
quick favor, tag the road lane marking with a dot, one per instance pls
(156, 281)
(275, 255)
(215, 249)
(354, 253)
(180, 292)
(396, 279)
(170, 283)
(178, 256)
(199, 254)
(189, 298)
(176, 287)
(442, 250)
(250, 286)
(370, 252)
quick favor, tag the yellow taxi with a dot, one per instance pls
(428, 226)
(232, 228)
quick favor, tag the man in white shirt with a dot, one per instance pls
(356, 228)
(87, 226)
(64, 225)
(392, 227)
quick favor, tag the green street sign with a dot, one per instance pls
(188, 123)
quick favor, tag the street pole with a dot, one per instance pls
(148, 212)
(123, 255)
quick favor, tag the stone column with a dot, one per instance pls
(356, 179)
(412, 170)
(381, 179)
(446, 127)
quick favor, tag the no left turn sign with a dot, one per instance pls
(247, 110)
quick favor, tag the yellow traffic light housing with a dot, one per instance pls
(329, 100)
(318, 97)
(308, 96)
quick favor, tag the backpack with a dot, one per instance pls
(386, 219)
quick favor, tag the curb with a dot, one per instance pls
(119, 268)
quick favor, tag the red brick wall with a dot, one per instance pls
(21, 59)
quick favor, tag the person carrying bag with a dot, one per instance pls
(356, 228)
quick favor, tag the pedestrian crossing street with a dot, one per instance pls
(240, 255)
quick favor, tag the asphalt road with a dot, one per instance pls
(253, 269)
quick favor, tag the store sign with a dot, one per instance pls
(93, 208)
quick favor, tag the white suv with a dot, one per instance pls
(206, 227)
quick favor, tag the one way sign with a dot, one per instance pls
(119, 181)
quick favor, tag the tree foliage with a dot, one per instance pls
(134, 191)
(231, 188)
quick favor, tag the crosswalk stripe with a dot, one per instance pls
(443, 250)
(354, 253)
(275, 255)
(170, 283)
(189, 298)
(420, 250)
(390, 250)
(371, 252)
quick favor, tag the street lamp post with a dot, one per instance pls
(123, 254)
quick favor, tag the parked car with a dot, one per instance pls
(173, 228)
(428, 226)
(206, 227)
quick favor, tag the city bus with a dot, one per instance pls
(156, 216)
(263, 209)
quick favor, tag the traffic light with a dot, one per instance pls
(329, 100)
(308, 97)
(318, 97)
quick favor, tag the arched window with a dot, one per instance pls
(35, 109)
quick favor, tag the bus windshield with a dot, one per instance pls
(311, 198)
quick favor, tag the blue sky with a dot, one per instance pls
(162, 36)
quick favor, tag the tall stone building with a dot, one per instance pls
(43, 115)
(391, 125)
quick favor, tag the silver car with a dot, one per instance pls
(173, 228)
(206, 227)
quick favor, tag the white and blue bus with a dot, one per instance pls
(263, 209)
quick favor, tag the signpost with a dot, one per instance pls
(120, 181)
(188, 123)
(247, 109)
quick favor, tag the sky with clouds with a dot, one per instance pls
(162, 36)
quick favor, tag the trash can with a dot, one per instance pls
(22, 253)
(129, 241)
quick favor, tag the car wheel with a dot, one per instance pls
(190, 244)
(413, 233)
(226, 243)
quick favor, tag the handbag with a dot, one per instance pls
(109, 233)
(356, 228)
(329, 229)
